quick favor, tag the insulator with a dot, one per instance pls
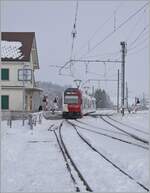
(74, 33)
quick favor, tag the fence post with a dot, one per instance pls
(30, 121)
(40, 118)
(9, 123)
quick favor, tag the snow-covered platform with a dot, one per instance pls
(31, 160)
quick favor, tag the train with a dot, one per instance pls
(77, 103)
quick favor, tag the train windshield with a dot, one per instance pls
(71, 99)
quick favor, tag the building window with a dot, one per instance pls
(27, 75)
(4, 74)
(5, 102)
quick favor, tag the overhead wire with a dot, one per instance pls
(74, 32)
(91, 36)
(139, 35)
(133, 28)
(101, 27)
(140, 43)
(117, 28)
(141, 49)
(106, 54)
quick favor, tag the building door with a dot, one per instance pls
(5, 102)
(26, 102)
(30, 103)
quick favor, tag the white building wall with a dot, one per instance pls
(16, 95)
(36, 101)
(15, 99)
(13, 74)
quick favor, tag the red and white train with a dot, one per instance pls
(76, 103)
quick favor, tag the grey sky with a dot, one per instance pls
(52, 21)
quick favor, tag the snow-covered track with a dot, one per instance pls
(67, 164)
(128, 133)
(109, 136)
(107, 130)
(70, 164)
(129, 126)
(107, 159)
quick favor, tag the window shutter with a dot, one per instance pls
(4, 74)
(5, 102)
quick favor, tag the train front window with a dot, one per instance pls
(71, 99)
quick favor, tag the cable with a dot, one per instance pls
(106, 54)
(139, 35)
(100, 27)
(112, 32)
(140, 43)
(141, 49)
(74, 32)
(132, 29)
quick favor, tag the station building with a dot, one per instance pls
(19, 60)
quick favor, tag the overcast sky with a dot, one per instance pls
(52, 21)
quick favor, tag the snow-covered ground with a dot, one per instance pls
(32, 161)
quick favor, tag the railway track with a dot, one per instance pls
(109, 136)
(126, 132)
(129, 126)
(106, 158)
(77, 178)
(107, 130)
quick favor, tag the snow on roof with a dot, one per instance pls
(11, 49)
(17, 46)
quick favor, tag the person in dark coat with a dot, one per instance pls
(40, 108)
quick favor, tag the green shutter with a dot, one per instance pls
(5, 102)
(4, 74)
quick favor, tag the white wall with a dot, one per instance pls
(36, 101)
(13, 74)
(15, 98)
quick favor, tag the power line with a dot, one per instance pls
(100, 28)
(141, 49)
(98, 61)
(139, 35)
(89, 72)
(108, 35)
(140, 43)
(112, 32)
(106, 54)
(132, 29)
(74, 32)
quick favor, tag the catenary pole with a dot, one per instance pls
(123, 44)
(127, 95)
(118, 93)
